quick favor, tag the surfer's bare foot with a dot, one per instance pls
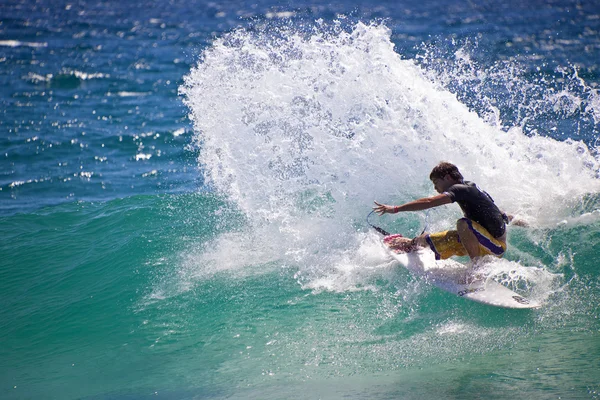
(401, 244)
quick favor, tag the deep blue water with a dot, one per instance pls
(183, 188)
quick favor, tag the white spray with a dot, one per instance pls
(303, 130)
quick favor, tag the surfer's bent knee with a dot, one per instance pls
(462, 224)
(420, 241)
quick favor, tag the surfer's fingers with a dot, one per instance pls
(380, 209)
(380, 206)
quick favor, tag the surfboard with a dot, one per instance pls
(457, 278)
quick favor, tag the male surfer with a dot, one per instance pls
(481, 232)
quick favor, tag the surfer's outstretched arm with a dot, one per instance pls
(416, 205)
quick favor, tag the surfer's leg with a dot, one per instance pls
(468, 239)
(444, 244)
(421, 241)
(477, 241)
(451, 243)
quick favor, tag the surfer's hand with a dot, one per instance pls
(517, 221)
(383, 209)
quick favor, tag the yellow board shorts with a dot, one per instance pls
(447, 244)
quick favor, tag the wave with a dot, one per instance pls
(65, 79)
(18, 43)
(301, 128)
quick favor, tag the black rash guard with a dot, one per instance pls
(478, 206)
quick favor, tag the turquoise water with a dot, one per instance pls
(114, 300)
(183, 192)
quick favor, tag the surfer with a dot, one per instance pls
(481, 232)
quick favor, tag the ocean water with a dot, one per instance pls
(184, 186)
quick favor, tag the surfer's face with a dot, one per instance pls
(437, 185)
(443, 184)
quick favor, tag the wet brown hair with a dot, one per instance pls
(445, 168)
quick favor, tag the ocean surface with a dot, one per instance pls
(184, 186)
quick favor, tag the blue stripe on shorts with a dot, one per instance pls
(485, 241)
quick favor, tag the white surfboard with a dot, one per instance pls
(454, 277)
